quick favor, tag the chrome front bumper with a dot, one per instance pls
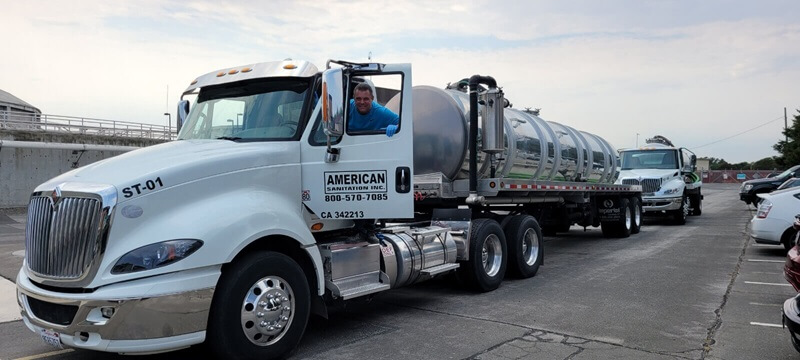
(661, 204)
(155, 314)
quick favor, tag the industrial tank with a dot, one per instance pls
(534, 149)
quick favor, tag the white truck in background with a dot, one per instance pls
(667, 175)
(267, 209)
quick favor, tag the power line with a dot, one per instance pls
(743, 132)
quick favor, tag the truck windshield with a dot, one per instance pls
(649, 159)
(261, 110)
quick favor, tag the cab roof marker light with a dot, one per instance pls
(221, 74)
(246, 70)
(290, 66)
(194, 82)
(233, 71)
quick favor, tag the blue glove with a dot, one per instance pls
(390, 130)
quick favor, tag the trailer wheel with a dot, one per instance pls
(679, 216)
(620, 228)
(260, 308)
(486, 267)
(525, 247)
(697, 204)
(636, 213)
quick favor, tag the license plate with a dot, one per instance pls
(51, 338)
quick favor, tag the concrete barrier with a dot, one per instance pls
(29, 158)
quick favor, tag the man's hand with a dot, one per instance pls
(390, 130)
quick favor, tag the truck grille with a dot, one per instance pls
(61, 238)
(648, 185)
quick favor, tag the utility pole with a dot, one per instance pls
(785, 124)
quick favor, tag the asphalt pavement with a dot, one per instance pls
(704, 290)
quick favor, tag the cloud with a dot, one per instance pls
(692, 71)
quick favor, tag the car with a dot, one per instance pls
(791, 269)
(750, 189)
(773, 222)
(791, 319)
(792, 182)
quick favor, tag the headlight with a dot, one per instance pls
(156, 255)
(672, 191)
(747, 187)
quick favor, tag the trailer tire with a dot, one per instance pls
(268, 281)
(525, 246)
(621, 228)
(486, 267)
(636, 214)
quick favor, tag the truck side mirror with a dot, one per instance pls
(333, 105)
(183, 112)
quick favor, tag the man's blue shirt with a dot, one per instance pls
(377, 118)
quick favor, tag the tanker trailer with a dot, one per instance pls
(535, 160)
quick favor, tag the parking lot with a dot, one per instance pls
(704, 290)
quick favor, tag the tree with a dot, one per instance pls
(767, 163)
(790, 150)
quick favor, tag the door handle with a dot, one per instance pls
(402, 179)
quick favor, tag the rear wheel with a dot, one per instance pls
(525, 250)
(260, 309)
(486, 267)
(636, 214)
(621, 227)
(696, 204)
(788, 237)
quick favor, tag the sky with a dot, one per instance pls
(713, 76)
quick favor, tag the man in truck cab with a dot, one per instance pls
(366, 114)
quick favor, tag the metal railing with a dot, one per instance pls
(17, 120)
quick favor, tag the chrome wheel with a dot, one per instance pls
(267, 310)
(530, 246)
(628, 217)
(492, 255)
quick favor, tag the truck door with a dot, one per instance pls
(372, 177)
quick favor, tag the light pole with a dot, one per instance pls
(637, 140)
(169, 125)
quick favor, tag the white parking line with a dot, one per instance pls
(766, 283)
(762, 304)
(770, 261)
(766, 324)
(44, 355)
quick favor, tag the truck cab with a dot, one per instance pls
(667, 176)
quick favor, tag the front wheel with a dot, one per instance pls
(260, 309)
(486, 267)
(679, 216)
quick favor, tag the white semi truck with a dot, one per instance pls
(267, 209)
(667, 175)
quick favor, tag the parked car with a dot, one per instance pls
(773, 222)
(791, 270)
(791, 319)
(750, 189)
(792, 182)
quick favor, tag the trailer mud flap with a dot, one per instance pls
(608, 210)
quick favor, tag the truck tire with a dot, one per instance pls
(679, 216)
(621, 228)
(486, 267)
(260, 308)
(696, 201)
(525, 246)
(636, 214)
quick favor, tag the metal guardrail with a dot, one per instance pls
(17, 120)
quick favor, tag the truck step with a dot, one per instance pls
(439, 269)
(433, 230)
(363, 290)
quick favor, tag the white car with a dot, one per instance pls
(773, 221)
